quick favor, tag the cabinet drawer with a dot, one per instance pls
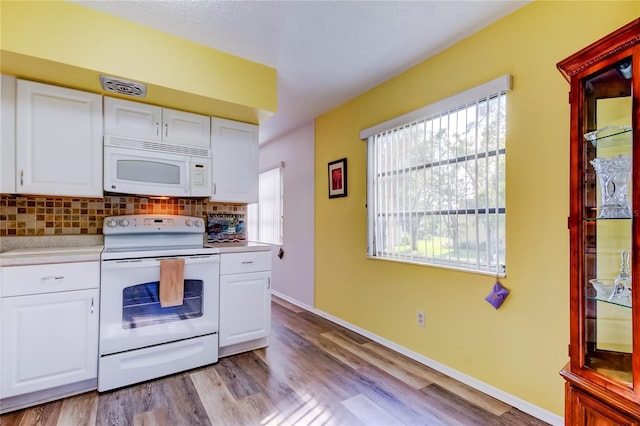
(238, 263)
(35, 279)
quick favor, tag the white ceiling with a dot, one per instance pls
(325, 52)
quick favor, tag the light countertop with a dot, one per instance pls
(43, 255)
(240, 247)
(42, 250)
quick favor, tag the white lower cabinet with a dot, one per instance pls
(245, 301)
(49, 328)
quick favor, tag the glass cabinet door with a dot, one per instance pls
(607, 222)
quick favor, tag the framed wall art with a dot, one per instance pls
(338, 178)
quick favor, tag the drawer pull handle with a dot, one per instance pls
(53, 277)
(247, 262)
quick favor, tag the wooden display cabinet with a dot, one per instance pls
(603, 374)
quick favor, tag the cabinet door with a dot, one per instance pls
(587, 411)
(132, 119)
(48, 340)
(245, 307)
(185, 128)
(234, 148)
(58, 141)
(8, 134)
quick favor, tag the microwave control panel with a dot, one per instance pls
(199, 178)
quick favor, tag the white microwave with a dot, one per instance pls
(141, 167)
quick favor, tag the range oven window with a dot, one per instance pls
(141, 304)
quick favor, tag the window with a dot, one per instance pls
(436, 183)
(265, 216)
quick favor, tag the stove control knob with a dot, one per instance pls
(112, 223)
(188, 222)
(123, 222)
(198, 223)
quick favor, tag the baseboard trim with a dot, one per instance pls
(19, 402)
(483, 387)
(242, 347)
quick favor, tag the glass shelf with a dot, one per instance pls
(618, 301)
(592, 137)
(604, 219)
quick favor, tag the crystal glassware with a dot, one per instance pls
(622, 283)
(613, 175)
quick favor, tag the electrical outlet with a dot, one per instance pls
(420, 318)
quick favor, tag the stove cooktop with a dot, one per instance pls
(136, 236)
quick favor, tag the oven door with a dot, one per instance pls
(130, 313)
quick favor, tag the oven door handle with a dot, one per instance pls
(142, 263)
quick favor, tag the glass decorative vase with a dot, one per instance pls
(622, 283)
(613, 174)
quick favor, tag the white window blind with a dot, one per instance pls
(436, 183)
(265, 216)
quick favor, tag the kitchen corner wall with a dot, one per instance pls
(292, 274)
(24, 215)
(519, 349)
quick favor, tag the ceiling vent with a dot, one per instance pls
(123, 87)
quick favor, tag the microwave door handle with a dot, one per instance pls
(187, 189)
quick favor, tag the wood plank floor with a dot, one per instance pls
(314, 372)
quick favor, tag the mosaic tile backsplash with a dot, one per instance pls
(42, 215)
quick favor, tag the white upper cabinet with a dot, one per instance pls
(185, 128)
(143, 121)
(132, 119)
(58, 141)
(234, 147)
(8, 134)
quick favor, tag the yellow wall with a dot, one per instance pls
(63, 43)
(521, 347)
